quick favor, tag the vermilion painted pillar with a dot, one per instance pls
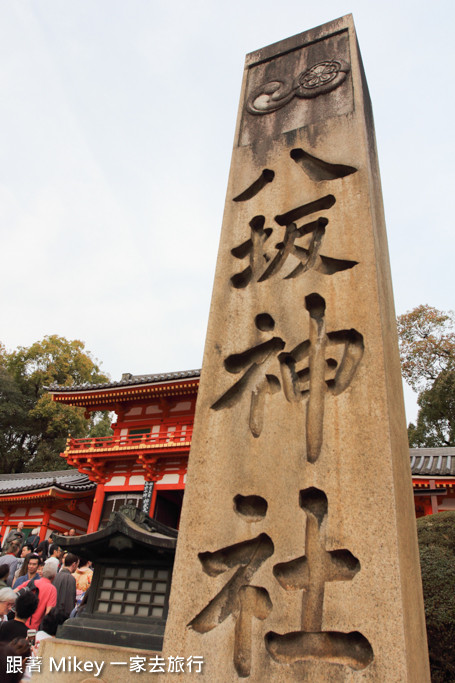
(5, 522)
(45, 524)
(97, 509)
(434, 498)
(427, 506)
(153, 501)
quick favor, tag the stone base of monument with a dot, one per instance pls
(69, 661)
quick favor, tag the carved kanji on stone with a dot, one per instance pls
(312, 381)
(299, 389)
(309, 574)
(322, 373)
(257, 379)
(237, 598)
(267, 260)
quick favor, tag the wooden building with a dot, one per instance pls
(433, 479)
(144, 462)
(52, 501)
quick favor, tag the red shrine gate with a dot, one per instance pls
(49, 501)
(145, 461)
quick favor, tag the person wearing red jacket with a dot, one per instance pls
(47, 596)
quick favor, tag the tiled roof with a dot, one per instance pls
(66, 480)
(434, 462)
(429, 462)
(128, 380)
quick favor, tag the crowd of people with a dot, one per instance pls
(40, 587)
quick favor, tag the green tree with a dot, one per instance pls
(436, 417)
(437, 560)
(33, 428)
(427, 350)
(427, 345)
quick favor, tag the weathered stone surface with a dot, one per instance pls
(73, 662)
(297, 557)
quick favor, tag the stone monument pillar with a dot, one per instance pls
(297, 558)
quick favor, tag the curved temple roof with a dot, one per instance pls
(433, 462)
(128, 380)
(66, 480)
(425, 462)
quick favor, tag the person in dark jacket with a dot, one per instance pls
(26, 605)
(43, 549)
(33, 539)
(65, 583)
(50, 624)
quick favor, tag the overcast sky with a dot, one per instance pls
(116, 123)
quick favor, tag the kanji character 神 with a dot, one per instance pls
(264, 362)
